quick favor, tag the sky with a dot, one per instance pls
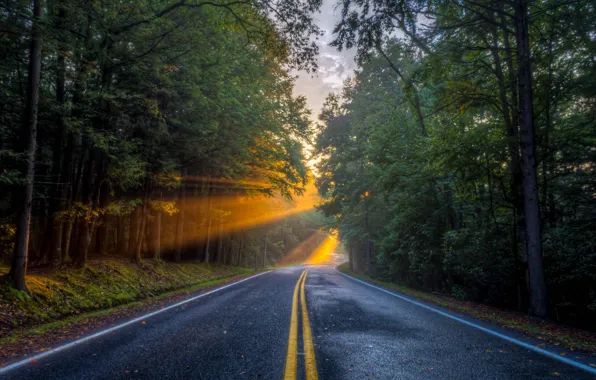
(334, 66)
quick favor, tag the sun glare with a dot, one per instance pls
(231, 213)
(323, 253)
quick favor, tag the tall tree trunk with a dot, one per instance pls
(550, 109)
(102, 227)
(220, 243)
(54, 228)
(229, 255)
(538, 300)
(71, 243)
(180, 224)
(144, 211)
(157, 233)
(86, 221)
(122, 240)
(133, 234)
(60, 244)
(209, 222)
(18, 268)
(519, 227)
(43, 226)
(139, 247)
(264, 242)
(356, 261)
(67, 228)
(368, 244)
(239, 253)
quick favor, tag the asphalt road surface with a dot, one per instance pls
(255, 330)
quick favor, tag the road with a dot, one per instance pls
(244, 332)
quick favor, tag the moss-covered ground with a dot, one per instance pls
(59, 293)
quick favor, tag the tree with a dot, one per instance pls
(19, 264)
(139, 107)
(461, 202)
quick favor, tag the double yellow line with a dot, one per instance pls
(310, 363)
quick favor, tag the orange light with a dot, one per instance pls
(323, 252)
(303, 250)
(230, 213)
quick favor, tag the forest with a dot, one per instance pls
(153, 130)
(459, 158)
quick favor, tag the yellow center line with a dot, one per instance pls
(310, 362)
(292, 355)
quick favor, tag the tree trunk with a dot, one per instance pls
(180, 224)
(61, 243)
(538, 300)
(87, 221)
(139, 247)
(54, 229)
(351, 257)
(18, 268)
(122, 240)
(66, 239)
(102, 228)
(157, 233)
(133, 232)
(71, 245)
(239, 253)
(368, 244)
(220, 242)
(229, 256)
(265, 241)
(209, 221)
(369, 254)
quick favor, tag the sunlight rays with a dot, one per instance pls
(209, 217)
(323, 252)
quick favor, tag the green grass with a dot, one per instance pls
(101, 286)
(547, 331)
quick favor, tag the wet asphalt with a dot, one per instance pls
(242, 333)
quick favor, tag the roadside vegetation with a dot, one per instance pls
(102, 284)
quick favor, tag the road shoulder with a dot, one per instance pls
(538, 335)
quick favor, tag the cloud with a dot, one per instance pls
(334, 66)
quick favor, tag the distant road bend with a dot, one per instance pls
(301, 322)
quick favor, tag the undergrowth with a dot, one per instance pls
(102, 284)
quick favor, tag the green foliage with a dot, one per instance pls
(419, 153)
(145, 111)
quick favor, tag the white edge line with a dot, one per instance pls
(117, 327)
(492, 332)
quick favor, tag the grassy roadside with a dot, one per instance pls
(68, 295)
(547, 331)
